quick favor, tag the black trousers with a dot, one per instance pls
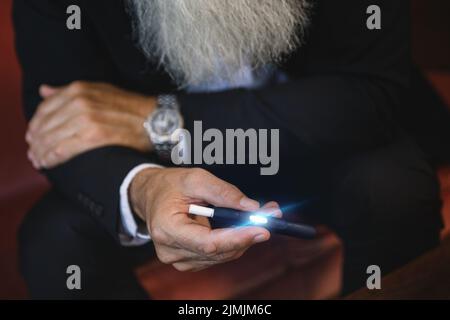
(384, 204)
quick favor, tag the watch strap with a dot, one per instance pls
(164, 151)
(167, 101)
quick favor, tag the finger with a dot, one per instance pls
(171, 255)
(222, 244)
(188, 266)
(172, 252)
(48, 148)
(64, 151)
(58, 153)
(41, 147)
(33, 161)
(209, 188)
(201, 221)
(67, 104)
(46, 90)
(79, 143)
(50, 120)
(47, 106)
(85, 108)
(204, 241)
(59, 96)
(198, 265)
(42, 142)
(99, 92)
(271, 209)
(238, 238)
(66, 121)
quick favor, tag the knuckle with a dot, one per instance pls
(198, 173)
(195, 176)
(39, 111)
(237, 255)
(228, 192)
(164, 257)
(230, 256)
(239, 245)
(82, 102)
(95, 133)
(207, 249)
(87, 117)
(32, 124)
(158, 235)
(83, 118)
(78, 86)
(59, 151)
(45, 140)
(220, 257)
(227, 258)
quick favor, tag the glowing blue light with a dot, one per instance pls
(258, 219)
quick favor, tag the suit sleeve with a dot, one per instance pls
(50, 53)
(346, 84)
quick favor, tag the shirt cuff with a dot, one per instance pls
(132, 233)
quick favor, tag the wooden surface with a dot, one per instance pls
(428, 277)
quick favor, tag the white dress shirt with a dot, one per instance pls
(132, 232)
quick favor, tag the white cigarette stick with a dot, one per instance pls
(201, 211)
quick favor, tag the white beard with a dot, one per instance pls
(198, 41)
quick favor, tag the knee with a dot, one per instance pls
(386, 193)
(45, 233)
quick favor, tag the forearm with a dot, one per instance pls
(93, 179)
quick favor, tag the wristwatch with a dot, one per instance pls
(162, 123)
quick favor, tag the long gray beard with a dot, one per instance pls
(198, 41)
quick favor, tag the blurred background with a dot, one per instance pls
(268, 271)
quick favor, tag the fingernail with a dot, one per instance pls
(275, 213)
(249, 203)
(260, 238)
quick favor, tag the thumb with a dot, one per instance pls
(220, 193)
(272, 209)
(228, 196)
(46, 90)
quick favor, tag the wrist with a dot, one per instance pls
(146, 105)
(138, 191)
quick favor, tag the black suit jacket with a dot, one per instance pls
(347, 82)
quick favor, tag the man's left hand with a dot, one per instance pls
(83, 116)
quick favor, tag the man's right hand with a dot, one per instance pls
(161, 198)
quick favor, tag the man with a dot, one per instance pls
(310, 68)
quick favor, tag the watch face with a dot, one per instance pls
(165, 122)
